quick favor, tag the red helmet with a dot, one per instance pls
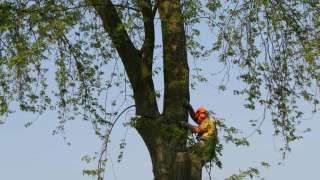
(201, 114)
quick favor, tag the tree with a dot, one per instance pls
(275, 44)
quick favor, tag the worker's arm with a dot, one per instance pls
(191, 112)
(197, 129)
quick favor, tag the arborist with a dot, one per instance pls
(206, 132)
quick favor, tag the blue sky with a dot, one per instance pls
(34, 154)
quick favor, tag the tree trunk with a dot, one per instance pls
(169, 161)
(167, 148)
(172, 165)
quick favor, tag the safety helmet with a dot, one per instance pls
(201, 114)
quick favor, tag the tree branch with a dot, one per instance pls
(148, 45)
(120, 38)
(138, 68)
(127, 7)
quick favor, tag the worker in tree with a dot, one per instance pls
(206, 133)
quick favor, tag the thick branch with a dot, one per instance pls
(176, 70)
(138, 71)
(120, 38)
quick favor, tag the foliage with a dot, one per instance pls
(250, 173)
(275, 45)
(58, 34)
